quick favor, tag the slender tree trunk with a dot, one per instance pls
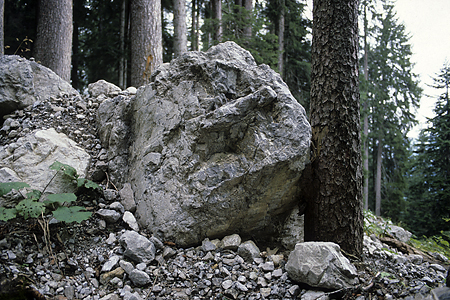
(2, 30)
(194, 26)
(75, 57)
(146, 40)
(53, 45)
(122, 82)
(179, 27)
(248, 4)
(366, 118)
(281, 37)
(217, 15)
(334, 197)
(378, 178)
(197, 26)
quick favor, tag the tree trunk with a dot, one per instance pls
(146, 40)
(281, 37)
(378, 178)
(194, 44)
(122, 76)
(334, 197)
(2, 30)
(75, 57)
(217, 15)
(248, 4)
(366, 117)
(179, 27)
(53, 45)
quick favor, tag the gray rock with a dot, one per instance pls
(126, 266)
(109, 215)
(8, 175)
(31, 156)
(113, 119)
(231, 242)
(139, 277)
(127, 198)
(137, 247)
(208, 246)
(293, 231)
(24, 82)
(248, 251)
(219, 144)
(321, 264)
(130, 220)
(103, 87)
(117, 206)
(111, 263)
(399, 233)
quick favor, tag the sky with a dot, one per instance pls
(428, 23)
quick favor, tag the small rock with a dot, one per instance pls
(226, 284)
(111, 263)
(208, 246)
(139, 278)
(231, 242)
(127, 198)
(127, 266)
(129, 218)
(268, 266)
(248, 251)
(117, 206)
(109, 215)
(106, 277)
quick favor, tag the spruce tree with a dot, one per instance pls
(429, 209)
(393, 94)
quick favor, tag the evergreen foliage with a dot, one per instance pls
(393, 94)
(429, 195)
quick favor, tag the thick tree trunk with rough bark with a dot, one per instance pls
(334, 197)
(146, 40)
(179, 27)
(53, 47)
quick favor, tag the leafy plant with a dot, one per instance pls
(32, 207)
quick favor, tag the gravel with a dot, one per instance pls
(87, 260)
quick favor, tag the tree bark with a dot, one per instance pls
(2, 30)
(334, 198)
(194, 41)
(179, 27)
(248, 4)
(53, 45)
(146, 40)
(217, 15)
(281, 37)
(378, 178)
(75, 57)
(366, 117)
(122, 76)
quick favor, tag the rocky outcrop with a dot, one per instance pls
(28, 160)
(321, 265)
(23, 82)
(217, 146)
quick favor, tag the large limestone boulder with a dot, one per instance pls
(216, 146)
(321, 265)
(23, 82)
(29, 159)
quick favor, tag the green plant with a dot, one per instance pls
(32, 207)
